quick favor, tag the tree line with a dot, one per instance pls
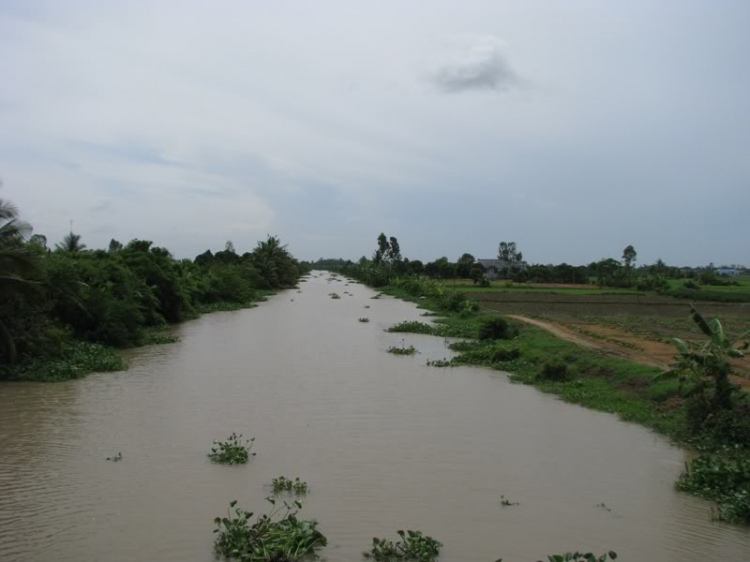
(50, 297)
(387, 263)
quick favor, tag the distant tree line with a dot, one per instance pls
(387, 263)
(51, 296)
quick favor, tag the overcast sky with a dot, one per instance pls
(572, 128)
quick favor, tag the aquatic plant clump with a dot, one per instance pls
(725, 480)
(439, 363)
(334, 296)
(410, 350)
(412, 327)
(232, 451)
(578, 557)
(270, 538)
(413, 547)
(283, 484)
(364, 320)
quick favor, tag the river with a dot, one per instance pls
(385, 443)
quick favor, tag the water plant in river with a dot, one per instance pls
(412, 327)
(115, 458)
(334, 295)
(403, 350)
(234, 450)
(275, 537)
(439, 362)
(723, 479)
(413, 547)
(364, 320)
(507, 503)
(283, 484)
(579, 557)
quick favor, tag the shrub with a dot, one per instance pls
(413, 547)
(496, 328)
(453, 302)
(469, 308)
(554, 370)
(232, 451)
(488, 355)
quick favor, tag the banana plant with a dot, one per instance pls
(706, 366)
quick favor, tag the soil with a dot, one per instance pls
(625, 345)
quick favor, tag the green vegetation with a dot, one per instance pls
(403, 349)
(232, 451)
(723, 478)
(413, 547)
(708, 413)
(275, 537)
(364, 320)
(283, 484)
(59, 307)
(71, 360)
(580, 557)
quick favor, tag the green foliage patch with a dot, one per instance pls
(283, 484)
(234, 450)
(412, 547)
(275, 537)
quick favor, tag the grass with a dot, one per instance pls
(598, 382)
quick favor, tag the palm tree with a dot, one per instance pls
(18, 266)
(71, 243)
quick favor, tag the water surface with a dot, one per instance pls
(385, 443)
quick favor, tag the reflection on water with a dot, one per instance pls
(385, 443)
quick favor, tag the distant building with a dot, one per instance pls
(497, 269)
(728, 271)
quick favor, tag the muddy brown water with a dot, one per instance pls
(385, 443)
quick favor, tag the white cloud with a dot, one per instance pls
(477, 65)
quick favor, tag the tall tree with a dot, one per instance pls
(508, 252)
(463, 266)
(628, 257)
(18, 268)
(383, 248)
(114, 246)
(71, 243)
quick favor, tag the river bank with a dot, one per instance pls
(584, 376)
(385, 442)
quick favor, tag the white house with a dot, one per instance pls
(495, 269)
(728, 271)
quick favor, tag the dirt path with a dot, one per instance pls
(620, 344)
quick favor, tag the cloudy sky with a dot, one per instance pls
(573, 128)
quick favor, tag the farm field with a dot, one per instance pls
(636, 327)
